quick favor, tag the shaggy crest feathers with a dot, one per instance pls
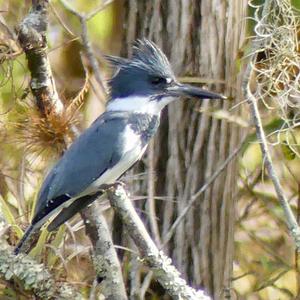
(146, 56)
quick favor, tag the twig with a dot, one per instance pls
(85, 40)
(290, 218)
(249, 95)
(61, 21)
(90, 55)
(145, 285)
(93, 13)
(195, 197)
(160, 264)
(150, 193)
(106, 262)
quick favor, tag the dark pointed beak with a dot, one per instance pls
(186, 90)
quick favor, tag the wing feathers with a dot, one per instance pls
(68, 212)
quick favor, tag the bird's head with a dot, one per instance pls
(146, 82)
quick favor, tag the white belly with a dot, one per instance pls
(132, 152)
(126, 162)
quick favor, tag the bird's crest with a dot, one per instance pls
(145, 56)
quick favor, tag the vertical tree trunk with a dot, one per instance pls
(202, 39)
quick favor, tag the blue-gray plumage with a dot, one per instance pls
(141, 87)
(99, 149)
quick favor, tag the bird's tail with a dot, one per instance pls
(27, 240)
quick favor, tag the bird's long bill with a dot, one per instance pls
(193, 92)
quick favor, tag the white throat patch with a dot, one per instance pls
(139, 104)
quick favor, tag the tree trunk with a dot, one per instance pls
(202, 39)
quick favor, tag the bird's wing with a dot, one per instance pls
(98, 149)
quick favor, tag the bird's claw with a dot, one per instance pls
(112, 185)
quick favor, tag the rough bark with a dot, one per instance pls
(160, 264)
(33, 276)
(202, 39)
(32, 38)
(30, 274)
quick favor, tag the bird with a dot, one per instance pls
(139, 89)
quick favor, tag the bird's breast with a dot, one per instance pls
(130, 149)
(144, 125)
(126, 162)
(130, 146)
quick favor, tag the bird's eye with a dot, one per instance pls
(158, 80)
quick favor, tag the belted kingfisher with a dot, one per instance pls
(140, 88)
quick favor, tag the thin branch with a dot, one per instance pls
(290, 218)
(145, 285)
(106, 261)
(252, 100)
(93, 13)
(90, 55)
(160, 264)
(83, 18)
(195, 197)
(61, 21)
(150, 193)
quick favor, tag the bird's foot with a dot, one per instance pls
(114, 185)
(119, 182)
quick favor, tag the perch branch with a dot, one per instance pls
(160, 264)
(252, 101)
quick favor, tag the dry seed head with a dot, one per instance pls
(50, 134)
